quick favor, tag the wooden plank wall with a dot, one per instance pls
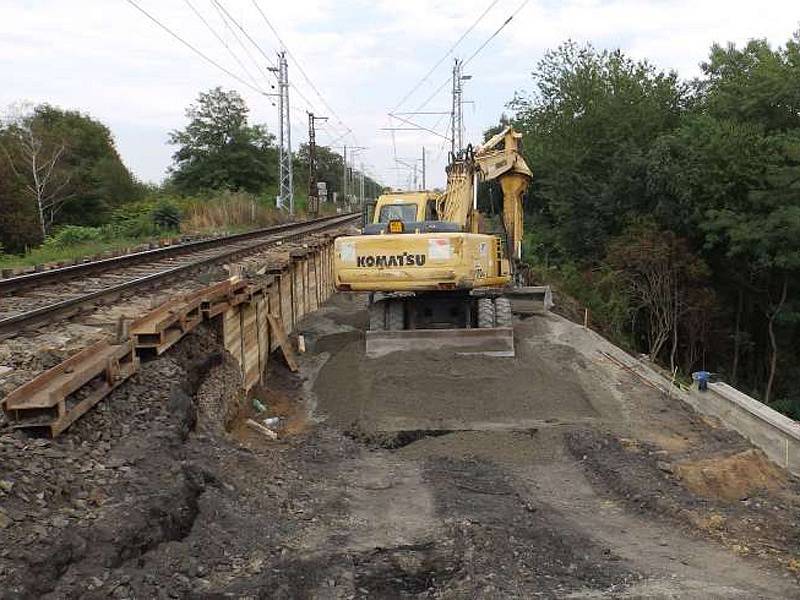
(292, 291)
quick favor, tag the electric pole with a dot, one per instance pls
(346, 172)
(362, 185)
(313, 193)
(286, 192)
(457, 110)
(423, 168)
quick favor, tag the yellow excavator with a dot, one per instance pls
(435, 276)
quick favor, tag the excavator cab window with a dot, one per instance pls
(431, 214)
(398, 212)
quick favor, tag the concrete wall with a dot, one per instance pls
(777, 435)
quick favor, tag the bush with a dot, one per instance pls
(73, 235)
(165, 215)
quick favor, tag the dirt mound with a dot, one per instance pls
(444, 390)
(733, 477)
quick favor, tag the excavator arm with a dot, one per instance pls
(507, 165)
(499, 159)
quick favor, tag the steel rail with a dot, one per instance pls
(11, 325)
(20, 282)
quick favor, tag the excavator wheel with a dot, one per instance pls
(502, 307)
(486, 313)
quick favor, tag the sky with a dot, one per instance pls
(351, 60)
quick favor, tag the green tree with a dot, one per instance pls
(713, 165)
(66, 165)
(19, 226)
(589, 125)
(218, 149)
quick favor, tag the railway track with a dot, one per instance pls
(29, 300)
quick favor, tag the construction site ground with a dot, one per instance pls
(555, 474)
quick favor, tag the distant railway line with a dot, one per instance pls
(35, 298)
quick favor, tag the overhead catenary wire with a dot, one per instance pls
(227, 23)
(445, 55)
(226, 14)
(244, 31)
(475, 53)
(194, 49)
(447, 81)
(302, 71)
(221, 41)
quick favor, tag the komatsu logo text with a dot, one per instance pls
(392, 260)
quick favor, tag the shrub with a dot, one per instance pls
(73, 235)
(166, 215)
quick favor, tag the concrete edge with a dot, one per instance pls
(775, 434)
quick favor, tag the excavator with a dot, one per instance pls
(436, 274)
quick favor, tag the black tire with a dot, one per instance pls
(377, 315)
(502, 307)
(395, 320)
(485, 313)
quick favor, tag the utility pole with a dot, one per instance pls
(313, 193)
(457, 110)
(286, 193)
(344, 174)
(362, 185)
(423, 168)
(347, 174)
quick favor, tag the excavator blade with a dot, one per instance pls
(496, 341)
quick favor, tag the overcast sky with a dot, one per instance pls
(105, 58)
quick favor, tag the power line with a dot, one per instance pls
(225, 22)
(193, 48)
(446, 54)
(221, 40)
(310, 105)
(244, 31)
(475, 53)
(217, 3)
(300, 68)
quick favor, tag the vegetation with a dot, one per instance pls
(57, 167)
(65, 192)
(672, 208)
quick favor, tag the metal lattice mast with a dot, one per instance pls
(313, 192)
(457, 110)
(286, 192)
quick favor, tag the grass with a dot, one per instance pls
(224, 213)
(44, 254)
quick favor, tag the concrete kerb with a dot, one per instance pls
(775, 434)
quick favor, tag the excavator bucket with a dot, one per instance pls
(495, 341)
(530, 300)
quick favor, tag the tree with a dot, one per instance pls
(36, 156)
(65, 164)
(218, 149)
(664, 279)
(588, 127)
(19, 225)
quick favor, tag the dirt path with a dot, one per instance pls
(519, 423)
(551, 475)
